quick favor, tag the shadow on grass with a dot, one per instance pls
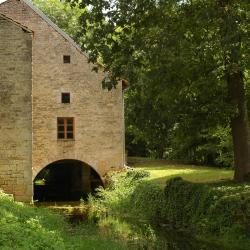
(189, 177)
(162, 170)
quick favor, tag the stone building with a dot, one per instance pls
(59, 128)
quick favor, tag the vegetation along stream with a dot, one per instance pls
(145, 208)
(152, 207)
(133, 233)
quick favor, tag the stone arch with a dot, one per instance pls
(39, 164)
(65, 180)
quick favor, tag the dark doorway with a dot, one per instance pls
(66, 180)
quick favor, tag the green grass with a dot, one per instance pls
(162, 170)
(24, 227)
(207, 205)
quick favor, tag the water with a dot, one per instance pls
(144, 236)
(135, 234)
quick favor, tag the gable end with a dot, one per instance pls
(24, 28)
(50, 23)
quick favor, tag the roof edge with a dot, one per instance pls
(16, 23)
(54, 26)
(125, 83)
(50, 23)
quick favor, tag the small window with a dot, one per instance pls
(65, 97)
(66, 59)
(65, 128)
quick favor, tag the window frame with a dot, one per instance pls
(65, 128)
(66, 59)
(68, 98)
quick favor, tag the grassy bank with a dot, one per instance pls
(211, 208)
(25, 227)
(205, 203)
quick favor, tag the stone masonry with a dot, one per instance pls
(16, 109)
(32, 78)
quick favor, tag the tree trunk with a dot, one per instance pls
(231, 45)
(240, 127)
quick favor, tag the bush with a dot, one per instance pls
(116, 196)
(198, 208)
(185, 203)
(25, 227)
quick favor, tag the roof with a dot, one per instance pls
(16, 23)
(56, 28)
(50, 23)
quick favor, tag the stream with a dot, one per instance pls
(137, 234)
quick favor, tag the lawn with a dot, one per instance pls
(162, 170)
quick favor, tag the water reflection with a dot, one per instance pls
(143, 236)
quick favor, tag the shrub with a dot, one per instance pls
(222, 210)
(185, 203)
(116, 196)
(25, 227)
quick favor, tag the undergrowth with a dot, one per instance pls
(26, 227)
(218, 211)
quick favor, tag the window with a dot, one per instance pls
(66, 59)
(65, 97)
(65, 128)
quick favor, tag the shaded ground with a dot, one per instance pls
(162, 170)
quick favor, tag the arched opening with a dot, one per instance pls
(65, 180)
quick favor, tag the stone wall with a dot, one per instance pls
(15, 112)
(98, 113)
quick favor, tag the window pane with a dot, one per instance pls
(60, 121)
(69, 121)
(70, 128)
(70, 135)
(66, 59)
(60, 130)
(60, 135)
(65, 97)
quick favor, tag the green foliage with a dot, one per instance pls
(231, 209)
(178, 65)
(169, 112)
(185, 202)
(212, 210)
(208, 146)
(148, 198)
(140, 236)
(62, 14)
(25, 227)
(116, 196)
(18, 222)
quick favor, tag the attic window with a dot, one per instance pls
(66, 59)
(65, 97)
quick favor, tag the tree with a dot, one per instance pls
(195, 53)
(63, 14)
(232, 41)
(179, 62)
